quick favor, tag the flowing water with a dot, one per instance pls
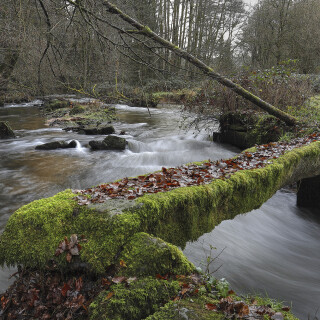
(273, 250)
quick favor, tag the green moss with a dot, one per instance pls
(191, 309)
(134, 302)
(57, 104)
(245, 129)
(146, 255)
(34, 232)
(77, 109)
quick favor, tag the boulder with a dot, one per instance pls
(97, 145)
(56, 104)
(100, 129)
(5, 131)
(109, 143)
(57, 145)
(77, 109)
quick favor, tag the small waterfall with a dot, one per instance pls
(79, 148)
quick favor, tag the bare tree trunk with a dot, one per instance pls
(147, 32)
(6, 69)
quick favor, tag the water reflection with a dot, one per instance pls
(274, 251)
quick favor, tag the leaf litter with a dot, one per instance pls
(189, 175)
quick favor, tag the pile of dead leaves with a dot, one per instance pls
(51, 295)
(71, 248)
(189, 175)
(48, 295)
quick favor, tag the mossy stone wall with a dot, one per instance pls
(34, 231)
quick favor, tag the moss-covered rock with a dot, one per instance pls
(76, 109)
(147, 255)
(34, 232)
(109, 143)
(56, 104)
(136, 302)
(245, 129)
(5, 131)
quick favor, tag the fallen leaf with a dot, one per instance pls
(211, 307)
(110, 295)
(65, 289)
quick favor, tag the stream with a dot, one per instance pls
(273, 251)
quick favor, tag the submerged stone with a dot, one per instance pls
(57, 145)
(109, 143)
(5, 131)
(100, 129)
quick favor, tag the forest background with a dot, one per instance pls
(51, 46)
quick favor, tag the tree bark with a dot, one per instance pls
(6, 68)
(147, 32)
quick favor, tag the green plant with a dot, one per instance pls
(223, 287)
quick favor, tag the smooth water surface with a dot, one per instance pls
(274, 250)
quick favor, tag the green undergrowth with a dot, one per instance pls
(189, 308)
(144, 297)
(177, 96)
(309, 113)
(34, 231)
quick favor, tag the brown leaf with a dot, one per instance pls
(285, 308)
(65, 289)
(79, 284)
(122, 264)
(241, 308)
(106, 282)
(184, 290)
(110, 295)
(211, 307)
(68, 257)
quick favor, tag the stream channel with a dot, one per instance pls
(273, 251)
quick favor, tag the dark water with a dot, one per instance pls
(273, 250)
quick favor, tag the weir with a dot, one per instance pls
(145, 232)
(175, 216)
